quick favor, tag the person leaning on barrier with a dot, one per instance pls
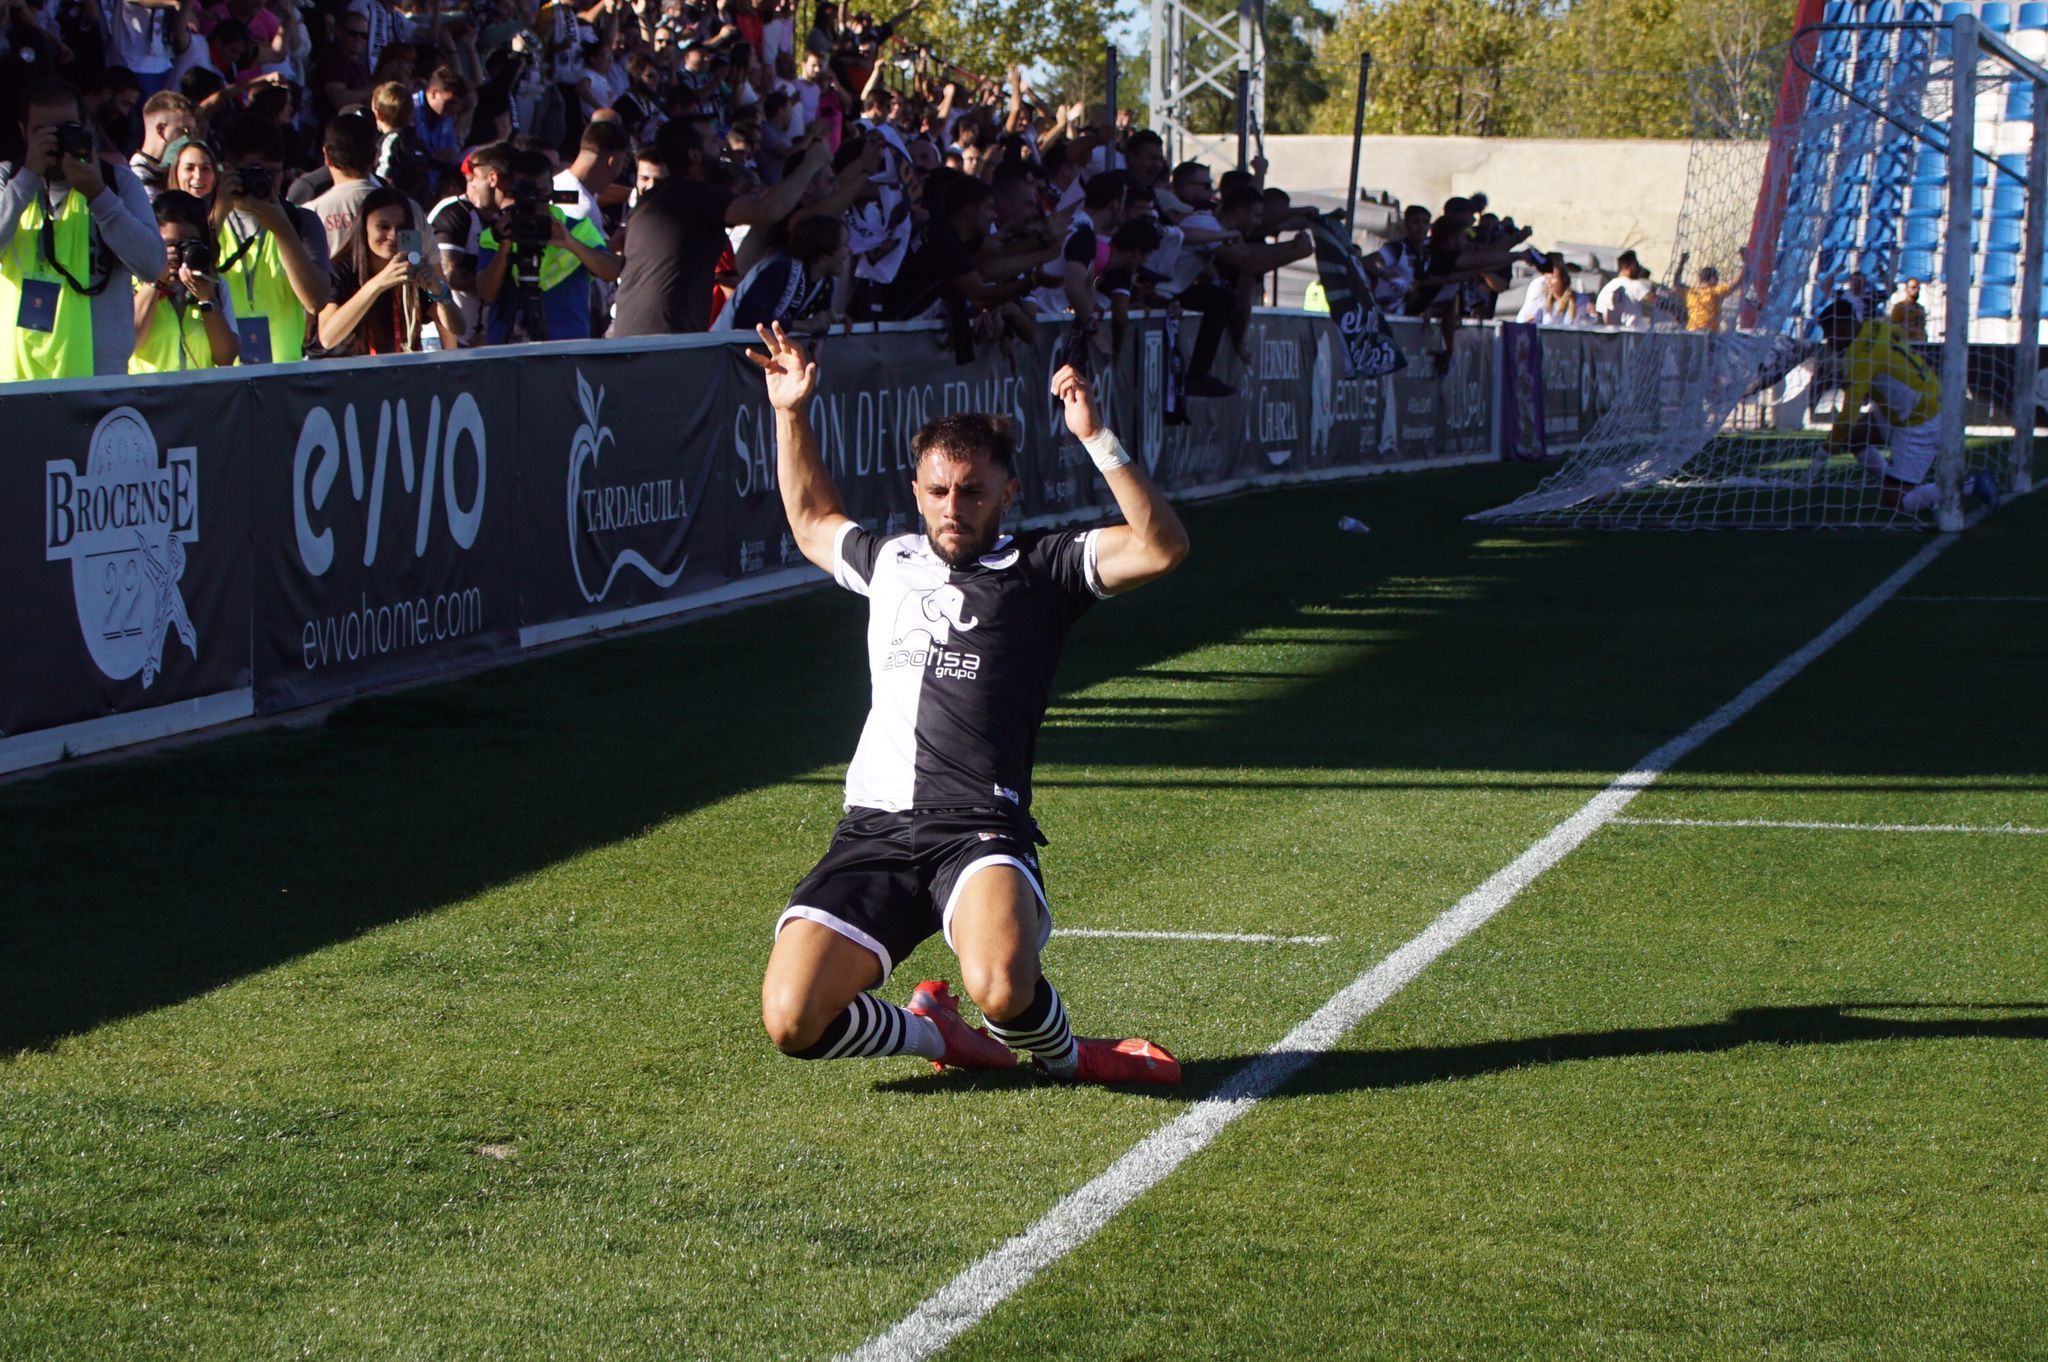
(383, 292)
(676, 235)
(273, 255)
(458, 223)
(794, 288)
(76, 231)
(181, 320)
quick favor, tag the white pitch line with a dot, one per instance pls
(999, 1274)
(2008, 829)
(2001, 600)
(1252, 938)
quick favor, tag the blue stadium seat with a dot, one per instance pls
(2002, 267)
(1926, 201)
(1994, 300)
(2009, 187)
(1915, 264)
(1996, 16)
(1923, 232)
(2019, 100)
(2033, 14)
(2005, 234)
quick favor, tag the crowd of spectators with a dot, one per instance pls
(265, 181)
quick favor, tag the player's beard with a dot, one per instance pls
(978, 541)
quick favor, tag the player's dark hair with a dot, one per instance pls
(965, 434)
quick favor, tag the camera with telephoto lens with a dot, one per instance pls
(529, 223)
(256, 183)
(194, 253)
(74, 141)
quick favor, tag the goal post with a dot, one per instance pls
(1896, 159)
(1956, 262)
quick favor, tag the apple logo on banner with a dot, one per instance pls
(600, 511)
(124, 524)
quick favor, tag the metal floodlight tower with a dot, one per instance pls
(1223, 53)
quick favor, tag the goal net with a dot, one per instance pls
(1837, 189)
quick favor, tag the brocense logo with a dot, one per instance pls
(124, 524)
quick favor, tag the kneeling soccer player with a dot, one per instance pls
(1897, 440)
(965, 627)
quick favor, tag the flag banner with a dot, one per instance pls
(1370, 350)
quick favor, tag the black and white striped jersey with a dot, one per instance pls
(961, 663)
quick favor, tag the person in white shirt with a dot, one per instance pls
(1623, 299)
(1393, 267)
(601, 154)
(1552, 301)
(146, 35)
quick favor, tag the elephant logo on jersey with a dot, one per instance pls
(941, 605)
(935, 615)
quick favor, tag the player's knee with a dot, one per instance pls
(790, 1020)
(1002, 989)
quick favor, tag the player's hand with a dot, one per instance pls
(792, 375)
(1073, 390)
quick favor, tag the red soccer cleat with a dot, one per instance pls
(967, 1047)
(1123, 1061)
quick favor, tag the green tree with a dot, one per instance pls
(1438, 66)
(990, 36)
(1593, 68)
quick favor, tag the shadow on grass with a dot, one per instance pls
(1431, 647)
(1304, 1074)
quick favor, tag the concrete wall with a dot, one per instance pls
(1611, 194)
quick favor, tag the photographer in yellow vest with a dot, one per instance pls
(181, 321)
(273, 254)
(76, 232)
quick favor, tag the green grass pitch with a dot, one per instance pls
(431, 1031)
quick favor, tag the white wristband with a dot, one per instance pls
(1105, 449)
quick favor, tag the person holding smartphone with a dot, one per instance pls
(382, 291)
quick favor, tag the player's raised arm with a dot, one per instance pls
(808, 497)
(1151, 542)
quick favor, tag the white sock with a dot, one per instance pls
(922, 1037)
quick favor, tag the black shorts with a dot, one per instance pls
(890, 880)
